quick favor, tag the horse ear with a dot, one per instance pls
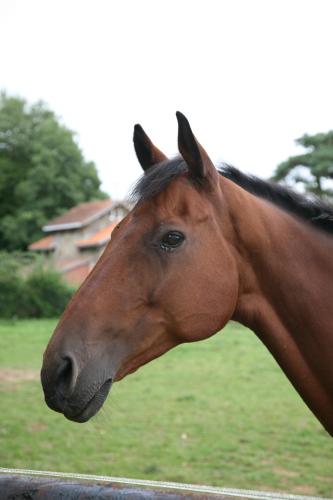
(146, 152)
(198, 161)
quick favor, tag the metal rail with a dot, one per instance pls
(36, 485)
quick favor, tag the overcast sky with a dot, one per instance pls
(251, 76)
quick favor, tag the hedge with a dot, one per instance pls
(39, 294)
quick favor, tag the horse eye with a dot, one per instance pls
(172, 240)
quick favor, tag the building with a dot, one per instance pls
(75, 240)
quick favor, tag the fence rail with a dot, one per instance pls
(21, 484)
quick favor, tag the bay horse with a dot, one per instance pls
(200, 247)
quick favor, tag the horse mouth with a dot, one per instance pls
(93, 405)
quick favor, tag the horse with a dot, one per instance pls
(200, 247)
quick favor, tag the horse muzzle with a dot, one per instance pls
(79, 395)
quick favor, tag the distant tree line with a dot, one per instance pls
(313, 169)
(42, 171)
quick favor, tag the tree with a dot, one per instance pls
(42, 171)
(313, 169)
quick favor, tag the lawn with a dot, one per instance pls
(217, 412)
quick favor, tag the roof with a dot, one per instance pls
(98, 239)
(65, 265)
(76, 275)
(44, 244)
(79, 216)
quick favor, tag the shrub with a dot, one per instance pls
(46, 294)
(11, 286)
(11, 294)
(27, 291)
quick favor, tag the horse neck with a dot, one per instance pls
(285, 293)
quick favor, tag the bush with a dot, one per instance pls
(41, 294)
(11, 295)
(11, 286)
(46, 294)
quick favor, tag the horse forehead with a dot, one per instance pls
(180, 198)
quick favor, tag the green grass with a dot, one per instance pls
(218, 412)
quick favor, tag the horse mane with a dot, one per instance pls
(310, 208)
(156, 179)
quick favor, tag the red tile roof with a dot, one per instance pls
(77, 275)
(98, 239)
(79, 215)
(47, 243)
(74, 271)
(64, 265)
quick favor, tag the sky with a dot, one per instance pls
(251, 76)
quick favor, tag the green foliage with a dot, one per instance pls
(42, 171)
(46, 294)
(29, 291)
(11, 288)
(312, 169)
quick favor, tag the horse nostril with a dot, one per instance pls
(66, 376)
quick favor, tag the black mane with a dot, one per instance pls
(309, 208)
(157, 178)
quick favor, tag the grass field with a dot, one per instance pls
(219, 412)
